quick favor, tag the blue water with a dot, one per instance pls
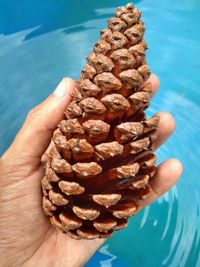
(43, 41)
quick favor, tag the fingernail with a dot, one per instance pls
(61, 89)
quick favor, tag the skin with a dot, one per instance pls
(27, 237)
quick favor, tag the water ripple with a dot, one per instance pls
(167, 233)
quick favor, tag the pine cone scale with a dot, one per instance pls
(102, 161)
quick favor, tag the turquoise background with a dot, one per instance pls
(43, 41)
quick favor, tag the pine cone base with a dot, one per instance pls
(101, 162)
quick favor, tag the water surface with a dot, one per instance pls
(43, 41)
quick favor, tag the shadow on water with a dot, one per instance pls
(47, 16)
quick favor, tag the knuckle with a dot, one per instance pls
(33, 114)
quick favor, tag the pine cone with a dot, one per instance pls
(101, 161)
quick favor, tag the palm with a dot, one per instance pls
(40, 241)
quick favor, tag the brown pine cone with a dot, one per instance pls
(101, 161)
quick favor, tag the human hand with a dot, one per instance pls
(27, 237)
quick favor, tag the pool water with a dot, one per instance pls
(43, 41)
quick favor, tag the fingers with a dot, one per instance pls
(167, 175)
(35, 135)
(166, 127)
(154, 81)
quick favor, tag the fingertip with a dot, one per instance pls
(170, 170)
(167, 121)
(166, 127)
(69, 81)
(66, 86)
(176, 167)
(154, 81)
(167, 175)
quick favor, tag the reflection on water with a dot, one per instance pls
(42, 42)
(49, 15)
(108, 262)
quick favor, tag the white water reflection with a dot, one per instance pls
(107, 263)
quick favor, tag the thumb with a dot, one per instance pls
(34, 137)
